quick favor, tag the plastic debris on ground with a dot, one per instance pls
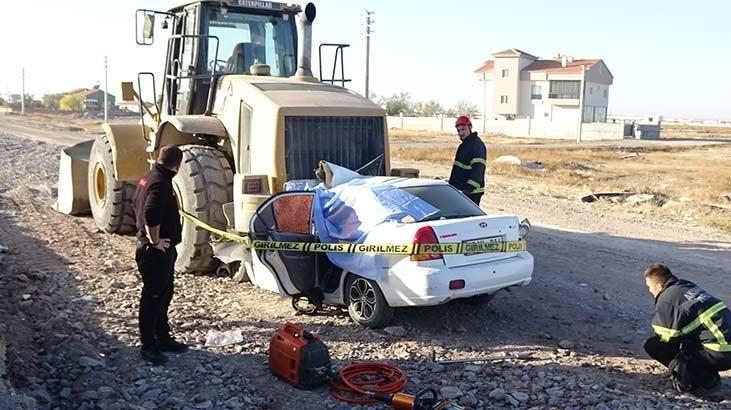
(218, 338)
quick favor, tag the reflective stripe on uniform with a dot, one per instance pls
(478, 189)
(717, 347)
(705, 318)
(461, 165)
(665, 333)
(478, 161)
(713, 327)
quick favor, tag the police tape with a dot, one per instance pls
(449, 248)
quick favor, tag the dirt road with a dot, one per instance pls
(69, 297)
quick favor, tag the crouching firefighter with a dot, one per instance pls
(692, 330)
(470, 161)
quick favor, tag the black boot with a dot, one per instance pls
(171, 345)
(154, 356)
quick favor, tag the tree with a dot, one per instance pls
(432, 109)
(51, 101)
(465, 107)
(398, 103)
(71, 102)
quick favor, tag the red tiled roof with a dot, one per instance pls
(486, 66)
(554, 66)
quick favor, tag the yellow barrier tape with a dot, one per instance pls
(449, 248)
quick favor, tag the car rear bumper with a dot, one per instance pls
(411, 284)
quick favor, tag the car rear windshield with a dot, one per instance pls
(450, 202)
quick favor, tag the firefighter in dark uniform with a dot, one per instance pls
(692, 331)
(158, 231)
(468, 169)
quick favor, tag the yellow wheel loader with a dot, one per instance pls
(238, 96)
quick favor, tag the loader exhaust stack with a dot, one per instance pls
(304, 54)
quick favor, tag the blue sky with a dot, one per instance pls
(667, 57)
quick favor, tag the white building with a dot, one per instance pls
(519, 85)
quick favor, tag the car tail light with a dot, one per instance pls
(425, 234)
(456, 284)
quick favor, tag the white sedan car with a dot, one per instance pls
(418, 280)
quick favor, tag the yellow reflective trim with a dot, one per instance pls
(665, 333)
(461, 165)
(691, 326)
(474, 184)
(478, 160)
(716, 347)
(478, 191)
(702, 317)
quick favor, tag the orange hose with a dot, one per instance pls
(354, 380)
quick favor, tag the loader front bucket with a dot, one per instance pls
(73, 175)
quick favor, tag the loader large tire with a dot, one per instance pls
(203, 184)
(111, 201)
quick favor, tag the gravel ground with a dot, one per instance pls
(571, 339)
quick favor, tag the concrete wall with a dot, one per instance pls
(522, 127)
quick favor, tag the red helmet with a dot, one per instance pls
(463, 120)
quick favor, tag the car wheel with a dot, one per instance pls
(366, 304)
(483, 299)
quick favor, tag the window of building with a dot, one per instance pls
(503, 99)
(505, 72)
(591, 90)
(564, 89)
(605, 93)
(536, 92)
(594, 114)
(600, 114)
(588, 114)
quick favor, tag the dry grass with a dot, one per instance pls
(693, 177)
(399, 136)
(695, 131)
(64, 121)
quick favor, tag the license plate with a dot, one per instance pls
(478, 246)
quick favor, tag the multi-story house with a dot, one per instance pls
(524, 86)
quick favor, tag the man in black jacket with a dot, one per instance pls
(158, 231)
(692, 331)
(468, 169)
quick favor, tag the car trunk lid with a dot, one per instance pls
(476, 231)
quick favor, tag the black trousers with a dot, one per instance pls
(157, 269)
(702, 362)
(475, 198)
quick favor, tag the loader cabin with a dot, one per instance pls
(214, 38)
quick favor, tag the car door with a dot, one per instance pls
(287, 217)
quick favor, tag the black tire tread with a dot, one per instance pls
(121, 219)
(207, 175)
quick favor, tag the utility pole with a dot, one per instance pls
(582, 88)
(106, 89)
(22, 93)
(368, 21)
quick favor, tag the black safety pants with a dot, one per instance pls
(701, 363)
(476, 198)
(157, 269)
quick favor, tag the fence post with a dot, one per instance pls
(441, 124)
(402, 119)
